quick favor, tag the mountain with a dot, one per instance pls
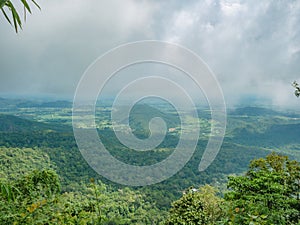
(10, 123)
(259, 111)
(141, 114)
(277, 135)
(6, 103)
(54, 104)
(254, 111)
(144, 113)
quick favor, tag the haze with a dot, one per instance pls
(253, 47)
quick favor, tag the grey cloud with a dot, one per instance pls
(252, 46)
(58, 43)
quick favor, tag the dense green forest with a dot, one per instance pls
(268, 193)
(45, 180)
(252, 47)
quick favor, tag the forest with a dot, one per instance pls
(247, 51)
(44, 179)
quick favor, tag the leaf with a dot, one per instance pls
(2, 3)
(26, 5)
(16, 19)
(5, 15)
(15, 15)
(34, 2)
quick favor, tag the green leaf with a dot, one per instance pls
(2, 3)
(15, 15)
(34, 2)
(26, 5)
(263, 216)
(5, 15)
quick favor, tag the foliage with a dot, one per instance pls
(24, 197)
(14, 14)
(15, 162)
(58, 142)
(30, 194)
(197, 206)
(32, 147)
(267, 194)
(36, 199)
(297, 87)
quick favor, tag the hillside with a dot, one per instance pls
(249, 135)
(141, 114)
(11, 123)
(277, 135)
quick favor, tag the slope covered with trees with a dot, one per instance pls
(37, 145)
(269, 193)
(31, 194)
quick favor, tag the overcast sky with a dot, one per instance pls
(253, 47)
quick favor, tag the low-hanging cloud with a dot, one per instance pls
(253, 47)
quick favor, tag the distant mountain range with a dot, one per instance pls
(258, 111)
(21, 103)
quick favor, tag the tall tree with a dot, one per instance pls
(197, 206)
(267, 194)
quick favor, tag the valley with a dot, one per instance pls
(39, 135)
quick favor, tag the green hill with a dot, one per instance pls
(277, 135)
(258, 111)
(141, 114)
(11, 123)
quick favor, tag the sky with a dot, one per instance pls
(252, 47)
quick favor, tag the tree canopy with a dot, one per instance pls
(267, 194)
(197, 206)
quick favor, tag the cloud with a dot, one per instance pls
(58, 43)
(253, 47)
(248, 44)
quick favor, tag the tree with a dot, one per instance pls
(297, 87)
(39, 183)
(197, 206)
(22, 201)
(267, 194)
(14, 14)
